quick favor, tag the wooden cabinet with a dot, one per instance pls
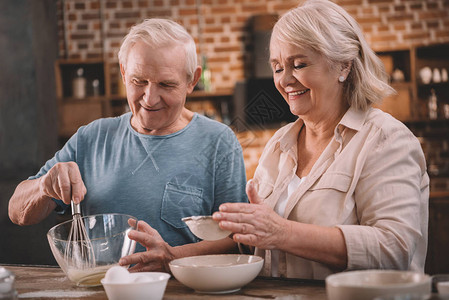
(93, 103)
(437, 261)
(398, 67)
(216, 105)
(433, 60)
(98, 101)
(411, 102)
(434, 138)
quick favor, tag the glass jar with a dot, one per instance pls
(79, 84)
(433, 105)
(7, 291)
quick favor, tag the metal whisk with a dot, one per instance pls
(79, 251)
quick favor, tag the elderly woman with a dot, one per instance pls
(345, 186)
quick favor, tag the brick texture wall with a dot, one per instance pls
(94, 28)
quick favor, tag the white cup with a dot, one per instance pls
(443, 287)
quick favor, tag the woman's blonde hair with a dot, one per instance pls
(328, 29)
(158, 33)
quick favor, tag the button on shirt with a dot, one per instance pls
(280, 209)
(370, 182)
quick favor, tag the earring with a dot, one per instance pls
(341, 78)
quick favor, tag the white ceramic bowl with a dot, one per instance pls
(216, 274)
(205, 228)
(368, 284)
(443, 287)
(440, 284)
(149, 286)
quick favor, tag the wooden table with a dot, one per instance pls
(38, 282)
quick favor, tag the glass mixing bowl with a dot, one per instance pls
(108, 235)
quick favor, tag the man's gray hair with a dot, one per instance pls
(158, 33)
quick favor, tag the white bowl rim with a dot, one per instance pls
(90, 216)
(174, 264)
(165, 277)
(199, 217)
(425, 279)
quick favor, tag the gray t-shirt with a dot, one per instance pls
(158, 179)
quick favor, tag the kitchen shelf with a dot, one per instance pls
(397, 60)
(413, 94)
(66, 72)
(88, 99)
(433, 57)
(194, 96)
(201, 95)
(439, 194)
(75, 112)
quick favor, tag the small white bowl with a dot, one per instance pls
(216, 274)
(368, 284)
(205, 228)
(149, 286)
(443, 287)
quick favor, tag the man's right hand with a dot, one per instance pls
(63, 181)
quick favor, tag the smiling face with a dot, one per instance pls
(156, 88)
(306, 81)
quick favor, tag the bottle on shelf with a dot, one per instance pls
(79, 84)
(205, 79)
(96, 87)
(433, 105)
(436, 77)
(446, 110)
(444, 77)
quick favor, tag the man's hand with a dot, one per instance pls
(63, 181)
(158, 253)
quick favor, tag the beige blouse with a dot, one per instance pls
(370, 182)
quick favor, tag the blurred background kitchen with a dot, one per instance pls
(60, 70)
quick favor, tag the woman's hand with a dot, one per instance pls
(253, 224)
(158, 254)
(63, 181)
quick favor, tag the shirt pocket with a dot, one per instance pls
(333, 181)
(181, 201)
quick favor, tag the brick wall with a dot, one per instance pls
(221, 28)
(94, 28)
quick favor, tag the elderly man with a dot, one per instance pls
(159, 163)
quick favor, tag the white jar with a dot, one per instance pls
(79, 85)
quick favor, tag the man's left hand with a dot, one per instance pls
(158, 254)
